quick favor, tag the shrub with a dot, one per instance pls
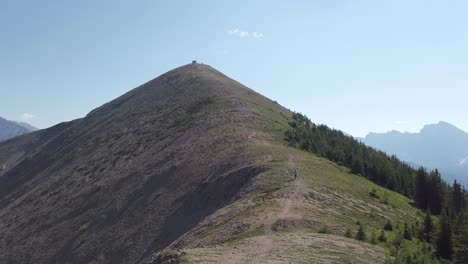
(373, 238)
(361, 234)
(348, 233)
(385, 199)
(388, 226)
(382, 237)
(165, 256)
(324, 230)
(406, 233)
(374, 194)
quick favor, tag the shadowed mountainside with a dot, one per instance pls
(131, 176)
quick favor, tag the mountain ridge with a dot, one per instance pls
(190, 166)
(138, 147)
(442, 146)
(424, 129)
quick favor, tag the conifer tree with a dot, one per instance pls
(461, 238)
(357, 167)
(361, 234)
(397, 244)
(458, 197)
(428, 190)
(382, 237)
(444, 243)
(406, 233)
(435, 192)
(427, 228)
(388, 226)
(421, 188)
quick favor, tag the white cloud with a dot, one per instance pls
(245, 34)
(257, 35)
(26, 117)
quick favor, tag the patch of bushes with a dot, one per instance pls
(348, 233)
(388, 226)
(361, 234)
(382, 237)
(324, 230)
(373, 239)
(271, 189)
(166, 257)
(374, 194)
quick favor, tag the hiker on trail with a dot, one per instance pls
(295, 173)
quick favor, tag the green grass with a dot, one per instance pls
(336, 199)
(167, 255)
(272, 188)
(350, 194)
(251, 233)
(269, 120)
(348, 201)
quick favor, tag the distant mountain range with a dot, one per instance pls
(10, 129)
(442, 146)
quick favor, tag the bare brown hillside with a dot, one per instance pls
(133, 175)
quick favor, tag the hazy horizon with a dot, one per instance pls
(359, 67)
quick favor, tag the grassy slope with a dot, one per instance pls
(278, 220)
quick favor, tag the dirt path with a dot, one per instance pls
(286, 204)
(265, 243)
(286, 236)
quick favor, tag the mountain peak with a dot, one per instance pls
(195, 70)
(441, 127)
(10, 129)
(179, 86)
(148, 166)
(441, 145)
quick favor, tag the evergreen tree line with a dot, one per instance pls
(429, 191)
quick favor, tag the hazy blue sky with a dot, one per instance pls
(358, 66)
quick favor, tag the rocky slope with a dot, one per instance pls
(133, 175)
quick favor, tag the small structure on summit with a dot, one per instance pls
(194, 62)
